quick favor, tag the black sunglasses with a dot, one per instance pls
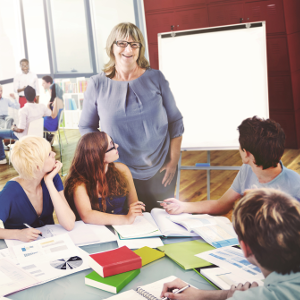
(113, 147)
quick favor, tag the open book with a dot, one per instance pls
(217, 231)
(82, 234)
(156, 223)
(150, 291)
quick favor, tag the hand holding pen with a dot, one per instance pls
(177, 291)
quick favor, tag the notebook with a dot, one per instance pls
(150, 291)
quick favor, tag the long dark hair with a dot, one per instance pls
(88, 168)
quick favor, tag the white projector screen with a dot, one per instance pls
(218, 77)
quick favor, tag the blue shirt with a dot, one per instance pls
(16, 208)
(276, 287)
(116, 205)
(5, 103)
(287, 181)
(52, 124)
(140, 115)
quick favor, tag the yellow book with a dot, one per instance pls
(148, 254)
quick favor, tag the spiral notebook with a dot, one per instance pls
(150, 291)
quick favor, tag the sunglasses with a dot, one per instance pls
(113, 147)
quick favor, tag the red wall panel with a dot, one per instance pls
(157, 23)
(277, 54)
(294, 50)
(153, 55)
(280, 93)
(192, 18)
(296, 93)
(158, 4)
(225, 14)
(189, 2)
(270, 11)
(292, 19)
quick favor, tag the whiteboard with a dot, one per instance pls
(218, 76)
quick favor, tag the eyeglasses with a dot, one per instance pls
(124, 44)
(113, 147)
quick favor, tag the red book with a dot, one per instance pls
(115, 261)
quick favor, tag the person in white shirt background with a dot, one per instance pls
(30, 112)
(21, 81)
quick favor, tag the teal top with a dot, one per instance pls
(276, 287)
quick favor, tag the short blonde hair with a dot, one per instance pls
(121, 31)
(29, 155)
(268, 221)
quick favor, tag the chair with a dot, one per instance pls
(35, 128)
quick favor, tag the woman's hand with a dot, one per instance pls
(189, 294)
(49, 177)
(241, 287)
(28, 234)
(173, 206)
(170, 172)
(12, 96)
(135, 209)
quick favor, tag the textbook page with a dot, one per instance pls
(217, 231)
(233, 260)
(154, 289)
(13, 278)
(166, 226)
(140, 227)
(82, 234)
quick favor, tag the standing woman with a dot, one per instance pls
(136, 107)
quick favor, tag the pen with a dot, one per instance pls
(164, 202)
(177, 291)
(31, 227)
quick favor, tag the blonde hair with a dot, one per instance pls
(29, 155)
(268, 221)
(121, 31)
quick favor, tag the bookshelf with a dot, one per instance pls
(73, 89)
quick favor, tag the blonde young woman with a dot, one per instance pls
(136, 108)
(31, 197)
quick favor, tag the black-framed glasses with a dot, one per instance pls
(124, 44)
(113, 147)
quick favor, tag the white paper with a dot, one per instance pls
(233, 260)
(166, 226)
(82, 234)
(154, 288)
(140, 227)
(13, 278)
(224, 279)
(153, 242)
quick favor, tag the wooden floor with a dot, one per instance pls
(192, 183)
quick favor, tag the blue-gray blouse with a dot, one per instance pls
(140, 115)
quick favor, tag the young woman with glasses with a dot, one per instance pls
(135, 105)
(99, 190)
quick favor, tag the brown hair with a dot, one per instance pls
(121, 31)
(264, 139)
(88, 168)
(24, 60)
(48, 79)
(268, 221)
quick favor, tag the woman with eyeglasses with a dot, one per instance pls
(99, 190)
(28, 200)
(136, 107)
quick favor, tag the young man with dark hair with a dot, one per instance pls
(30, 112)
(267, 223)
(26, 78)
(261, 148)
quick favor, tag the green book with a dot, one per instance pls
(112, 284)
(184, 253)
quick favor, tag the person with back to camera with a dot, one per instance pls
(136, 107)
(31, 197)
(98, 189)
(56, 105)
(267, 223)
(261, 148)
(30, 112)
